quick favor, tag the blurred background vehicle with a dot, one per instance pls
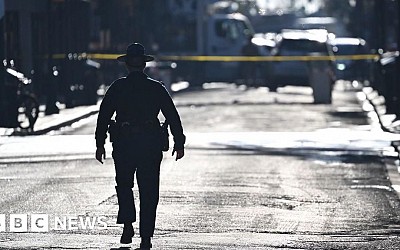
(331, 24)
(266, 41)
(23, 105)
(219, 35)
(79, 79)
(162, 71)
(300, 44)
(351, 68)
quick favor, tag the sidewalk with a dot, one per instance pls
(374, 105)
(66, 117)
(48, 123)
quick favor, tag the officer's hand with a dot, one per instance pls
(100, 154)
(179, 153)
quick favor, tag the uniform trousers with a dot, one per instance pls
(138, 153)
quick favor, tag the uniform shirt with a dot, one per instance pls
(138, 99)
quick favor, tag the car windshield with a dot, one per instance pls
(302, 45)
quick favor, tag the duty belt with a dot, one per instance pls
(134, 127)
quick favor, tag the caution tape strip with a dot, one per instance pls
(226, 58)
(268, 58)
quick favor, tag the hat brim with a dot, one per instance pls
(146, 58)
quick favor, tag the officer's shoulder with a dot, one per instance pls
(154, 80)
(115, 86)
(118, 82)
(155, 83)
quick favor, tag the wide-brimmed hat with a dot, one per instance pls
(135, 51)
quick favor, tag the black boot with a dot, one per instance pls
(127, 234)
(146, 243)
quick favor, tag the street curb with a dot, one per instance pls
(392, 168)
(387, 122)
(378, 103)
(63, 124)
(392, 165)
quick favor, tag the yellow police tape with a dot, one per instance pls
(226, 58)
(267, 58)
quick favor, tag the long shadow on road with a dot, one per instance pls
(305, 153)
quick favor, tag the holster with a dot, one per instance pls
(113, 131)
(164, 136)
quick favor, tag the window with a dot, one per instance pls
(227, 29)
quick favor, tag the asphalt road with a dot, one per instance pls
(262, 171)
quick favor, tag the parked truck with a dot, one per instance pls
(203, 37)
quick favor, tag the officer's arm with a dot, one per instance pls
(171, 114)
(107, 109)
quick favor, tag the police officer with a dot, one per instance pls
(137, 101)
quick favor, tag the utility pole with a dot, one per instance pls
(380, 24)
(396, 85)
(51, 94)
(359, 10)
(3, 118)
(398, 24)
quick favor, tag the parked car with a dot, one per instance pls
(348, 68)
(299, 43)
(264, 40)
(79, 88)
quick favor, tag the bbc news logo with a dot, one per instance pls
(43, 223)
